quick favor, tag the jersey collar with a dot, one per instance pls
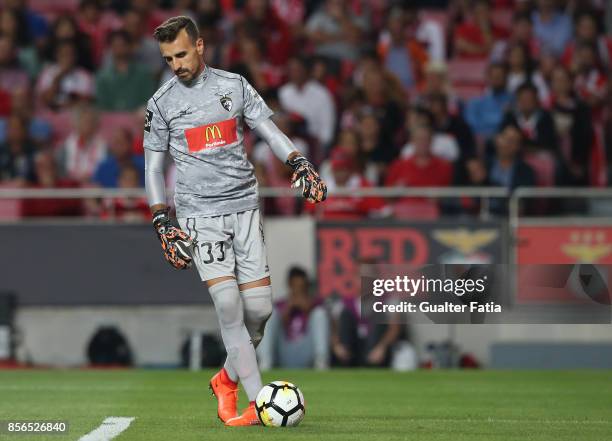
(201, 77)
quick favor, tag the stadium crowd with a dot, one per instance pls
(416, 93)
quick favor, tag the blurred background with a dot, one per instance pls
(448, 131)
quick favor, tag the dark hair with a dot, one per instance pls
(521, 16)
(424, 113)
(119, 33)
(296, 271)
(527, 86)
(168, 30)
(498, 65)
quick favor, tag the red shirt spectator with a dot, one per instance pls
(346, 207)
(423, 169)
(475, 38)
(47, 177)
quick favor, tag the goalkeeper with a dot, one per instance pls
(197, 117)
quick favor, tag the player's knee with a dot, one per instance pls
(258, 304)
(226, 299)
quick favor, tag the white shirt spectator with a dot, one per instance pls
(80, 158)
(78, 82)
(442, 145)
(432, 35)
(315, 104)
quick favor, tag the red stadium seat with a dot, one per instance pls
(543, 163)
(110, 121)
(419, 209)
(61, 123)
(467, 91)
(462, 71)
(10, 209)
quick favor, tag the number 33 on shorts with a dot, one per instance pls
(229, 245)
(211, 252)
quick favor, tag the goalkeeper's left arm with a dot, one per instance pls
(304, 173)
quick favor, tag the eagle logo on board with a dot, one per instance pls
(225, 100)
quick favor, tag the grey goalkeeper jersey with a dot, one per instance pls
(201, 124)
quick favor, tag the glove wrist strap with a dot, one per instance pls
(161, 217)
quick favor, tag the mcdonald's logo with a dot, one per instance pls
(217, 134)
(210, 132)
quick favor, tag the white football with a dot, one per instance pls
(280, 404)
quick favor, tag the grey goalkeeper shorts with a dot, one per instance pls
(228, 245)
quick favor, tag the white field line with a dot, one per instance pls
(508, 421)
(109, 429)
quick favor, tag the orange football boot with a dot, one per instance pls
(226, 392)
(248, 418)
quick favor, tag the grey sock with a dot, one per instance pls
(257, 309)
(240, 349)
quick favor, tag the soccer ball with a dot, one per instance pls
(280, 404)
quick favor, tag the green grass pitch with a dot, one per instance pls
(340, 405)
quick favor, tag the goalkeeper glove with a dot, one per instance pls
(175, 242)
(305, 176)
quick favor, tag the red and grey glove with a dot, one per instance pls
(174, 241)
(305, 176)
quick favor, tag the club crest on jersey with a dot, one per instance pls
(225, 100)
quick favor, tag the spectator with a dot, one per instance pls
(63, 84)
(17, 152)
(471, 173)
(443, 145)
(34, 25)
(97, 25)
(535, 123)
(124, 84)
(521, 34)
(428, 32)
(522, 70)
(128, 209)
(335, 31)
(507, 169)
(47, 177)
(403, 56)
(258, 71)
(421, 169)
(551, 27)
(375, 144)
(145, 48)
(12, 74)
(383, 100)
(591, 83)
(120, 156)
(350, 141)
(436, 83)
(84, 148)
(345, 175)
(356, 340)
(22, 104)
(309, 99)
(572, 119)
(587, 32)
(65, 28)
(297, 333)
(274, 34)
(476, 36)
(453, 125)
(485, 113)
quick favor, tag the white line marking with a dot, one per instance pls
(110, 428)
